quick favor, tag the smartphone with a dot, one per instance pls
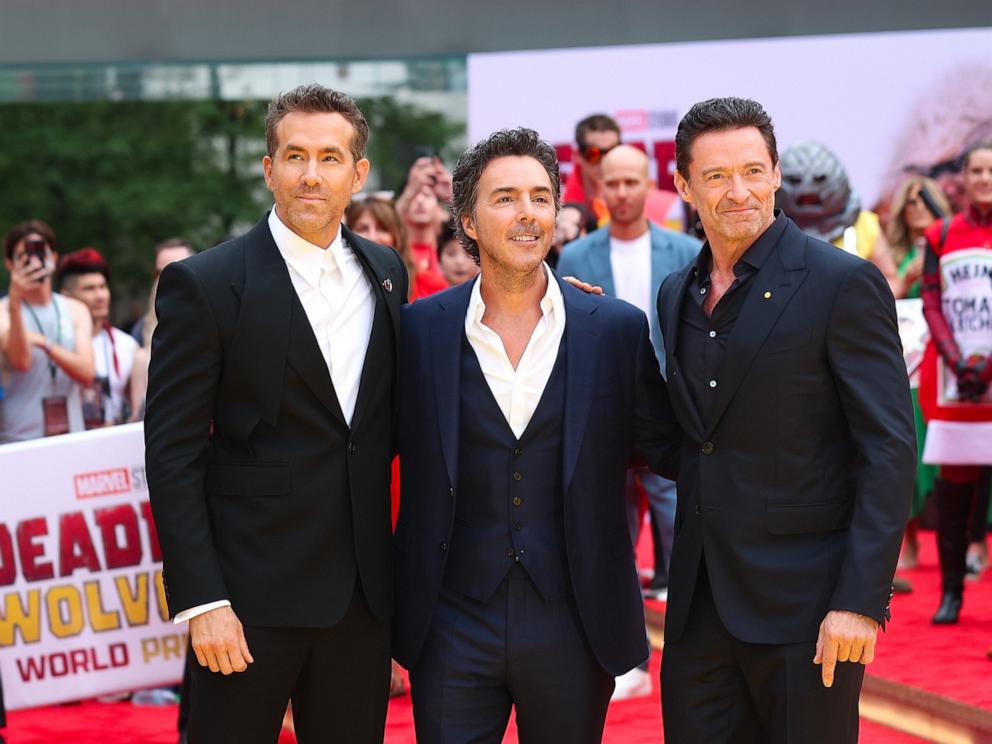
(35, 248)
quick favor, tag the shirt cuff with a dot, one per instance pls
(192, 612)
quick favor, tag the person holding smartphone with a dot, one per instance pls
(46, 341)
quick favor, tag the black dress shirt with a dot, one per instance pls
(703, 339)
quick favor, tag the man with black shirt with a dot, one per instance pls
(786, 374)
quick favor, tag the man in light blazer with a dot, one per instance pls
(522, 401)
(630, 258)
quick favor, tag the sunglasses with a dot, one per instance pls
(364, 196)
(592, 154)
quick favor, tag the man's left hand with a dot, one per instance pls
(584, 286)
(844, 636)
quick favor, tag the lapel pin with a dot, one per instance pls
(387, 284)
(768, 295)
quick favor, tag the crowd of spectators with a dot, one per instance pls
(66, 367)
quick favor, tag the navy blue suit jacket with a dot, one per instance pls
(616, 404)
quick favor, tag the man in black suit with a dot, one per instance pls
(521, 402)
(269, 432)
(785, 371)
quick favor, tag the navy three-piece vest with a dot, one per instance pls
(509, 508)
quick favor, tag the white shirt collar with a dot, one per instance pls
(306, 258)
(552, 304)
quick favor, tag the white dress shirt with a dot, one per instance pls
(338, 300)
(518, 391)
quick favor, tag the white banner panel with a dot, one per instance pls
(82, 610)
(881, 102)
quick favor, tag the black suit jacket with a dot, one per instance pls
(261, 493)
(798, 491)
(615, 404)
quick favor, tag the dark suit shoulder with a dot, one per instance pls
(425, 308)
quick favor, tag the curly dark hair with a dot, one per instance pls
(504, 143)
(316, 99)
(718, 115)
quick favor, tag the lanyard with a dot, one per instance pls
(41, 329)
(110, 351)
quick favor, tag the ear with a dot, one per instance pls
(362, 168)
(652, 184)
(267, 171)
(777, 177)
(469, 227)
(682, 186)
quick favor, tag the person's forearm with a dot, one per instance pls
(18, 349)
(77, 366)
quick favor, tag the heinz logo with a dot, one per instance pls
(102, 483)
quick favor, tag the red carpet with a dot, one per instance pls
(949, 661)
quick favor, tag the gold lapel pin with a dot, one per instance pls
(768, 295)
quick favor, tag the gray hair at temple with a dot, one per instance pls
(520, 142)
(720, 115)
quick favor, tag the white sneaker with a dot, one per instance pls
(635, 683)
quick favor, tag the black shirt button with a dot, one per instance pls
(451, 491)
(517, 476)
(699, 510)
(707, 448)
(352, 447)
(444, 547)
(509, 552)
(517, 525)
(517, 501)
(517, 451)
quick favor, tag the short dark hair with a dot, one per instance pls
(595, 123)
(316, 99)
(973, 148)
(21, 230)
(520, 142)
(719, 115)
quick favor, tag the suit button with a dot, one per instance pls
(352, 447)
(517, 501)
(707, 448)
(517, 525)
(517, 451)
(509, 552)
(444, 547)
(699, 510)
(518, 476)
(451, 492)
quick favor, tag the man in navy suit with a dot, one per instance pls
(630, 258)
(521, 403)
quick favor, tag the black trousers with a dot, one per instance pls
(717, 689)
(337, 678)
(481, 658)
(3, 709)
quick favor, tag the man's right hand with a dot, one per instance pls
(218, 640)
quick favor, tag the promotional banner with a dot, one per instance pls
(886, 104)
(82, 609)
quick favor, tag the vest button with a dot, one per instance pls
(517, 501)
(352, 447)
(509, 552)
(451, 492)
(517, 451)
(444, 547)
(699, 510)
(517, 476)
(707, 448)
(517, 525)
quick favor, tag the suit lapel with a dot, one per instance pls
(381, 274)
(447, 332)
(772, 288)
(670, 310)
(581, 360)
(600, 269)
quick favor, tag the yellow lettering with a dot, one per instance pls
(135, 603)
(16, 618)
(100, 619)
(65, 611)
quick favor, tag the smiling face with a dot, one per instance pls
(731, 183)
(514, 217)
(313, 174)
(977, 178)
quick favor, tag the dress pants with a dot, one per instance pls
(720, 690)
(337, 678)
(481, 658)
